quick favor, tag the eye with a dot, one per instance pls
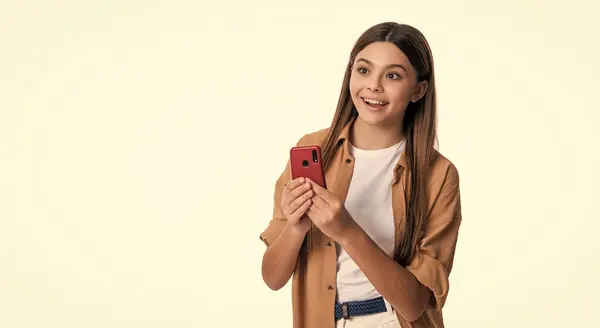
(362, 70)
(394, 76)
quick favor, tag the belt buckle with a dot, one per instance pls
(345, 313)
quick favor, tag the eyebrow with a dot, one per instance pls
(388, 66)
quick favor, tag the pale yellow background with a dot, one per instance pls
(140, 142)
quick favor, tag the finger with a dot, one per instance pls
(299, 190)
(322, 192)
(301, 210)
(293, 195)
(319, 202)
(293, 190)
(294, 183)
(299, 201)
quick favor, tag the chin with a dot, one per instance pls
(371, 118)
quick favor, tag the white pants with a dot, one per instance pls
(386, 319)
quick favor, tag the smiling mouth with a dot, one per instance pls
(374, 104)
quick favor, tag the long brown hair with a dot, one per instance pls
(419, 124)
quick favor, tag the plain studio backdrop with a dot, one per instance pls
(140, 143)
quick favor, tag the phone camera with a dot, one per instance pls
(315, 158)
(305, 163)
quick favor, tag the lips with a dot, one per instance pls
(374, 104)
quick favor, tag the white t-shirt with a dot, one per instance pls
(369, 202)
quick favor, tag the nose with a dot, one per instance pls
(374, 84)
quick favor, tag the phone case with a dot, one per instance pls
(306, 162)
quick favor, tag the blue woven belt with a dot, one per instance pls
(358, 308)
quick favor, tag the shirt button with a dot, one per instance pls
(328, 244)
(348, 160)
(330, 287)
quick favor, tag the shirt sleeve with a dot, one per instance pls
(434, 256)
(278, 220)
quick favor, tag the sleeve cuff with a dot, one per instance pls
(271, 233)
(432, 274)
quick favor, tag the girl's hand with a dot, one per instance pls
(295, 201)
(329, 214)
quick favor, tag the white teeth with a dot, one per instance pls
(374, 102)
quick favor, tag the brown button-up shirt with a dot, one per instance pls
(314, 278)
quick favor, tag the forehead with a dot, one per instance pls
(383, 54)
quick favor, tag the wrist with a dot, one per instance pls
(351, 234)
(296, 230)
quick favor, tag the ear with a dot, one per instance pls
(419, 91)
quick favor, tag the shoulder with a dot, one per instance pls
(443, 170)
(313, 138)
(444, 190)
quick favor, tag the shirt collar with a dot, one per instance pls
(344, 137)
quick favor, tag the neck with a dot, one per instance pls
(372, 137)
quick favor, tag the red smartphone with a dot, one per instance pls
(306, 162)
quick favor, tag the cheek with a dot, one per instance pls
(400, 98)
(353, 89)
(353, 86)
(400, 94)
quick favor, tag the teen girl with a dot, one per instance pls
(381, 244)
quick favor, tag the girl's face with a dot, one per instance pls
(382, 84)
